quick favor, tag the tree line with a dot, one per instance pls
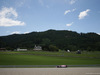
(52, 40)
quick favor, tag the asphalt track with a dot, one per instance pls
(51, 71)
(49, 66)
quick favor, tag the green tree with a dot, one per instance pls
(46, 42)
(53, 48)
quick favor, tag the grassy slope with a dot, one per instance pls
(70, 59)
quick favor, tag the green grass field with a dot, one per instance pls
(49, 58)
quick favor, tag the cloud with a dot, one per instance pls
(41, 2)
(19, 32)
(69, 30)
(8, 17)
(83, 14)
(74, 9)
(47, 6)
(68, 11)
(26, 32)
(70, 24)
(98, 33)
(16, 32)
(21, 3)
(72, 1)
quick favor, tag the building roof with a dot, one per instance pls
(37, 48)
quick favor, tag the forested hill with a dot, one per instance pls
(62, 39)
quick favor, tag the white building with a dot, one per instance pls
(37, 48)
(18, 49)
(68, 51)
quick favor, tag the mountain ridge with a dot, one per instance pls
(62, 39)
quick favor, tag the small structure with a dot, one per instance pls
(18, 49)
(37, 48)
(78, 52)
(68, 51)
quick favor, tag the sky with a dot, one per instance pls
(25, 16)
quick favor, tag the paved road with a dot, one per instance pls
(50, 71)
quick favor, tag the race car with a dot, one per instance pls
(61, 66)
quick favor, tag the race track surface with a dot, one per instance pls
(51, 71)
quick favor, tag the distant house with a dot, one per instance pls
(78, 52)
(18, 49)
(68, 51)
(37, 48)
